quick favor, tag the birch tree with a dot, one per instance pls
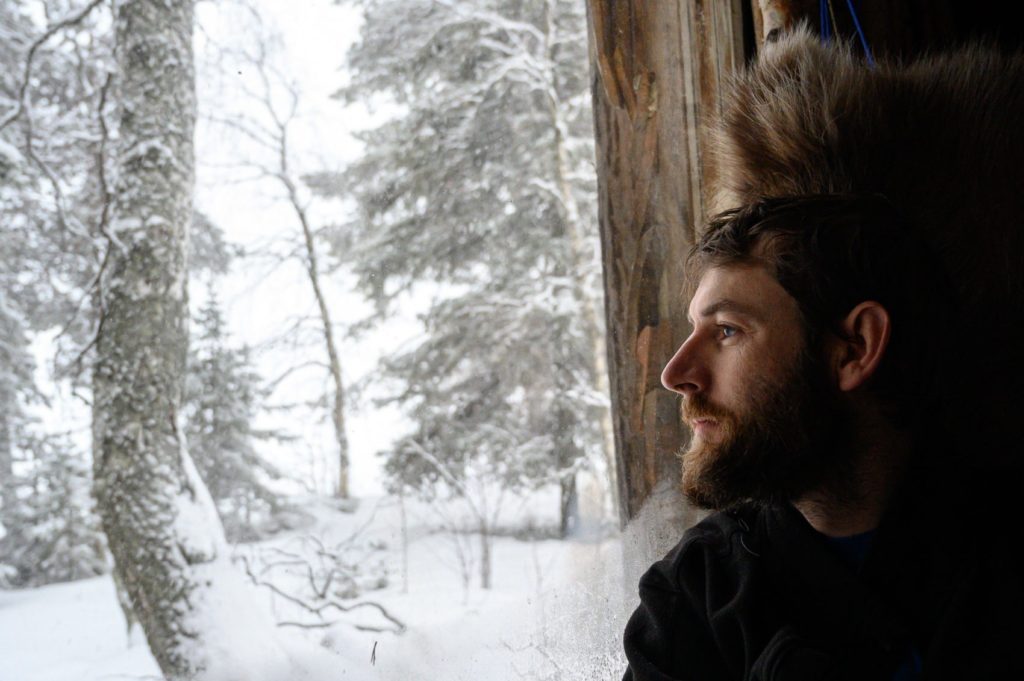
(265, 127)
(157, 515)
(282, 172)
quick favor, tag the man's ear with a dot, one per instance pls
(857, 353)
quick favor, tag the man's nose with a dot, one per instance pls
(684, 373)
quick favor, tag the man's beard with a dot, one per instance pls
(792, 438)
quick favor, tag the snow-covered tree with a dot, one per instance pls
(55, 89)
(484, 181)
(209, 252)
(49, 530)
(16, 383)
(53, 532)
(56, 94)
(160, 522)
(221, 397)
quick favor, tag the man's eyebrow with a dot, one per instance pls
(727, 305)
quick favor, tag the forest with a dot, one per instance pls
(303, 364)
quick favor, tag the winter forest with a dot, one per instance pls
(302, 349)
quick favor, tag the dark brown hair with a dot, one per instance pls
(830, 253)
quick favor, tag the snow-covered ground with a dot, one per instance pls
(555, 609)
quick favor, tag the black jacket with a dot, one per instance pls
(758, 594)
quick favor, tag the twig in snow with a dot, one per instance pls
(318, 610)
(308, 625)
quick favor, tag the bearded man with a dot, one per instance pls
(835, 549)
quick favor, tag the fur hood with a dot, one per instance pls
(943, 139)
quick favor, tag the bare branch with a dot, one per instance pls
(272, 385)
(328, 605)
(449, 478)
(96, 285)
(310, 625)
(249, 129)
(101, 170)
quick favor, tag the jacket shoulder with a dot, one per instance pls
(712, 549)
(671, 635)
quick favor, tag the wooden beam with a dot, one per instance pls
(658, 71)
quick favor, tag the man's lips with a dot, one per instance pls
(702, 424)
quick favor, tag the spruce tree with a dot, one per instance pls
(221, 398)
(54, 531)
(51, 146)
(484, 181)
(16, 383)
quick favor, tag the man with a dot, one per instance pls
(845, 544)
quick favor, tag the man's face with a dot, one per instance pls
(767, 423)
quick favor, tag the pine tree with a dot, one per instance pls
(55, 93)
(221, 397)
(55, 534)
(16, 384)
(50, 531)
(484, 181)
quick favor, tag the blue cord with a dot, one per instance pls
(860, 34)
(823, 22)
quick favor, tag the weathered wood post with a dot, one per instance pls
(657, 71)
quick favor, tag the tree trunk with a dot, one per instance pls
(7, 498)
(578, 237)
(568, 505)
(405, 539)
(16, 369)
(567, 453)
(12, 530)
(333, 358)
(657, 70)
(158, 517)
(485, 554)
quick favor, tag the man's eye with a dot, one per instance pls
(726, 331)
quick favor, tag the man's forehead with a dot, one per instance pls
(746, 289)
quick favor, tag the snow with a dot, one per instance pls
(556, 611)
(10, 155)
(195, 519)
(153, 149)
(69, 631)
(238, 639)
